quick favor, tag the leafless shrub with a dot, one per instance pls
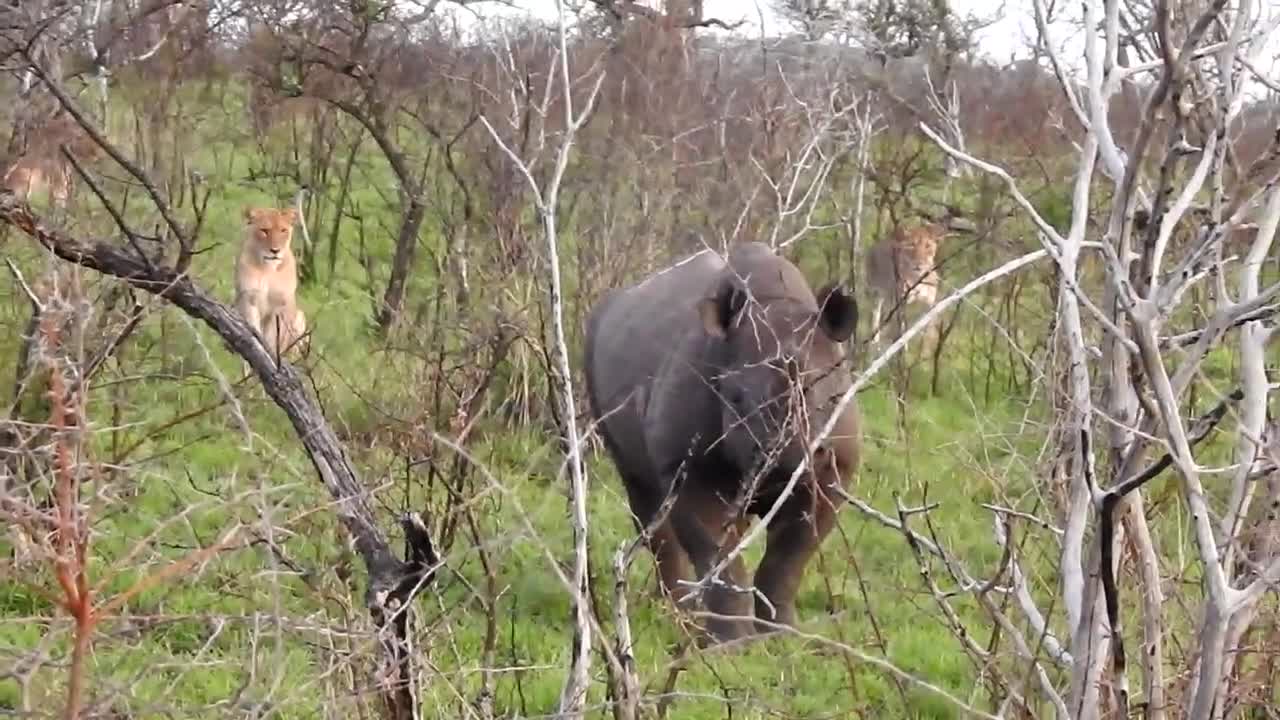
(1108, 434)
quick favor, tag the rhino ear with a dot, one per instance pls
(718, 311)
(838, 313)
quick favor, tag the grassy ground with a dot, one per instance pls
(205, 637)
(276, 626)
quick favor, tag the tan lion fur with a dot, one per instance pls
(900, 269)
(267, 278)
(41, 166)
(29, 176)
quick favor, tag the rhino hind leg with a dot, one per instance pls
(793, 537)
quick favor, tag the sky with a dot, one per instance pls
(1006, 39)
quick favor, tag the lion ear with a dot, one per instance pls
(250, 213)
(291, 213)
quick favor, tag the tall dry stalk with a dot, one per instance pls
(546, 199)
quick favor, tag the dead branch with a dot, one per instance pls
(392, 583)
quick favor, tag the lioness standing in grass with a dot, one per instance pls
(267, 278)
(900, 270)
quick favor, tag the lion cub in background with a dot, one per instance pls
(267, 278)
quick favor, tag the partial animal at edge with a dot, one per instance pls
(28, 176)
(41, 166)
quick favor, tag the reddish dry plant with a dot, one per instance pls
(70, 537)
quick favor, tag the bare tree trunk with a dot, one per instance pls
(458, 249)
(866, 124)
(401, 263)
(344, 190)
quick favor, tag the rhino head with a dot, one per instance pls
(776, 350)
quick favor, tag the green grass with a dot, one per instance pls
(805, 678)
(204, 643)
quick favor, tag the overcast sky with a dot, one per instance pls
(1006, 39)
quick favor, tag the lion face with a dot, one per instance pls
(270, 232)
(917, 253)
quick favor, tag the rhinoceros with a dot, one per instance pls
(708, 380)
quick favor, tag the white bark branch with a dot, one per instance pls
(573, 694)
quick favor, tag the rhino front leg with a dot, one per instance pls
(793, 537)
(698, 521)
(671, 560)
(673, 564)
(731, 597)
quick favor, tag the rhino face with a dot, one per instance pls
(775, 369)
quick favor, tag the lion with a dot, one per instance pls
(267, 278)
(41, 166)
(900, 269)
(30, 175)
